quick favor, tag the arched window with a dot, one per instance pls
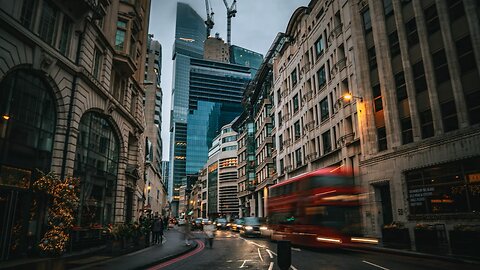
(96, 164)
(27, 125)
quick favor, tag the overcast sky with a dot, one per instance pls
(255, 26)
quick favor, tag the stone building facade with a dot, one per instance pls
(314, 127)
(71, 101)
(420, 122)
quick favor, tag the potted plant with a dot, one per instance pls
(430, 238)
(464, 240)
(395, 235)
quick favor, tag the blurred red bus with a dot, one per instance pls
(317, 209)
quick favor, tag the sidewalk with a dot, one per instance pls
(447, 257)
(173, 246)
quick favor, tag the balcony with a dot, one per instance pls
(346, 139)
(311, 156)
(337, 31)
(124, 63)
(309, 126)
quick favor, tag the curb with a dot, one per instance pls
(413, 254)
(168, 258)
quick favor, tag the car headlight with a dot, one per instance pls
(239, 226)
(248, 228)
(263, 228)
(228, 224)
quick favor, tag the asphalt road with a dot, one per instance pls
(233, 252)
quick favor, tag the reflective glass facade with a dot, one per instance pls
(245, 57)
(190, 35)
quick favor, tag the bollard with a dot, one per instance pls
(284, 254)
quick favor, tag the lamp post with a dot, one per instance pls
(347, 97)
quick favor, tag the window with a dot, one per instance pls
(120, 35)
(319, 46)
(407, 134)
(440, 66)
(466, 58)
(382, 139)
(377, 98)
(298, 157)
(279, 118)
(324, 111)
(46, 29)
(282, 166)
(367, 22)
(327, 142)
(419, 77)
(455, 9)
(296, 128)
(449, 116)
(97, 63)
(473, 105)
(322, 79)
(387, 7)
(431, 19)
(65, 36)
(449, 188)
(426, 123)
(280, 141)
(295, 103)
(412, 34)
(372, 58)
(400, 85)
(27, 15)
(229, 139)
(394, 44)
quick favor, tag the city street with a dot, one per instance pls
(233, 252)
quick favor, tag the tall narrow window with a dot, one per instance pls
(66, 35)
(466, 58)
(377, 98)
(296, 127)
(407, 134)
(327, 142)
(298, 157)
(324, 112)
(412, 34)
(400, 85)
(97, 63)
(46, 29)
(449, 116)
(27, 15)
(455, 9)
(382, 139)
(419, 77)
(394, 44)
(120, 35)
(427, 123)
(372, 58)
(387, 7)
(440, 66)
(319, 46)
(431, 19)
(322, 80)
(367, 22)
(295, 103)
(293, 75)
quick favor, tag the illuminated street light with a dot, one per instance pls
(6, 117)
(349, 96)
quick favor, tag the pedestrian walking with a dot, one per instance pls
(187, 231)
(165, 223)
(157, 229)
(209, 230)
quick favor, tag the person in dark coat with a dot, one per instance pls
(157, 229)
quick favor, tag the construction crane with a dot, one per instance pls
(209, 22)
(231, 11)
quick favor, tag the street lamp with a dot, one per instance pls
(347, 97)
(6, 117)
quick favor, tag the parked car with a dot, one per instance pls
(221, 224)
(251, 227)
(236, 225)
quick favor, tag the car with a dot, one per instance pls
(181, 222)
(206, 221)
(236, 225)
(251, 226)
(221, 224)
(197, 223)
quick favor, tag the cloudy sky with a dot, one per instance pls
(255, 26)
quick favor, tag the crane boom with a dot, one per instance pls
(209, 22)
(231, 11)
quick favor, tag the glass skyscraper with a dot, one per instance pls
(245, 57)
(190, 34)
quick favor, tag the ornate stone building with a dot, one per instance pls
(71, 91)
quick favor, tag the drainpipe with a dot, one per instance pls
(72, 96)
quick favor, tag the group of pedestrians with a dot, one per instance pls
(157, 225)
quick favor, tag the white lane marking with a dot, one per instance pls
(268, 250)
(259, 255)
(251, 242)
(244, 261)
(293, 267)
(376, 265)
(229, 261)
(270, 253)
(270, 267)
(296, 249)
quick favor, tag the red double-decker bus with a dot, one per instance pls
(317, 209)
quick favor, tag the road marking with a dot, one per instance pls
(259, 255)
(199, 248)
(244, 261)
(296, 249)
(251, 242)
(270, 267)
(270, 253)
(293, 267)
(229, 261)
(376, 265)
